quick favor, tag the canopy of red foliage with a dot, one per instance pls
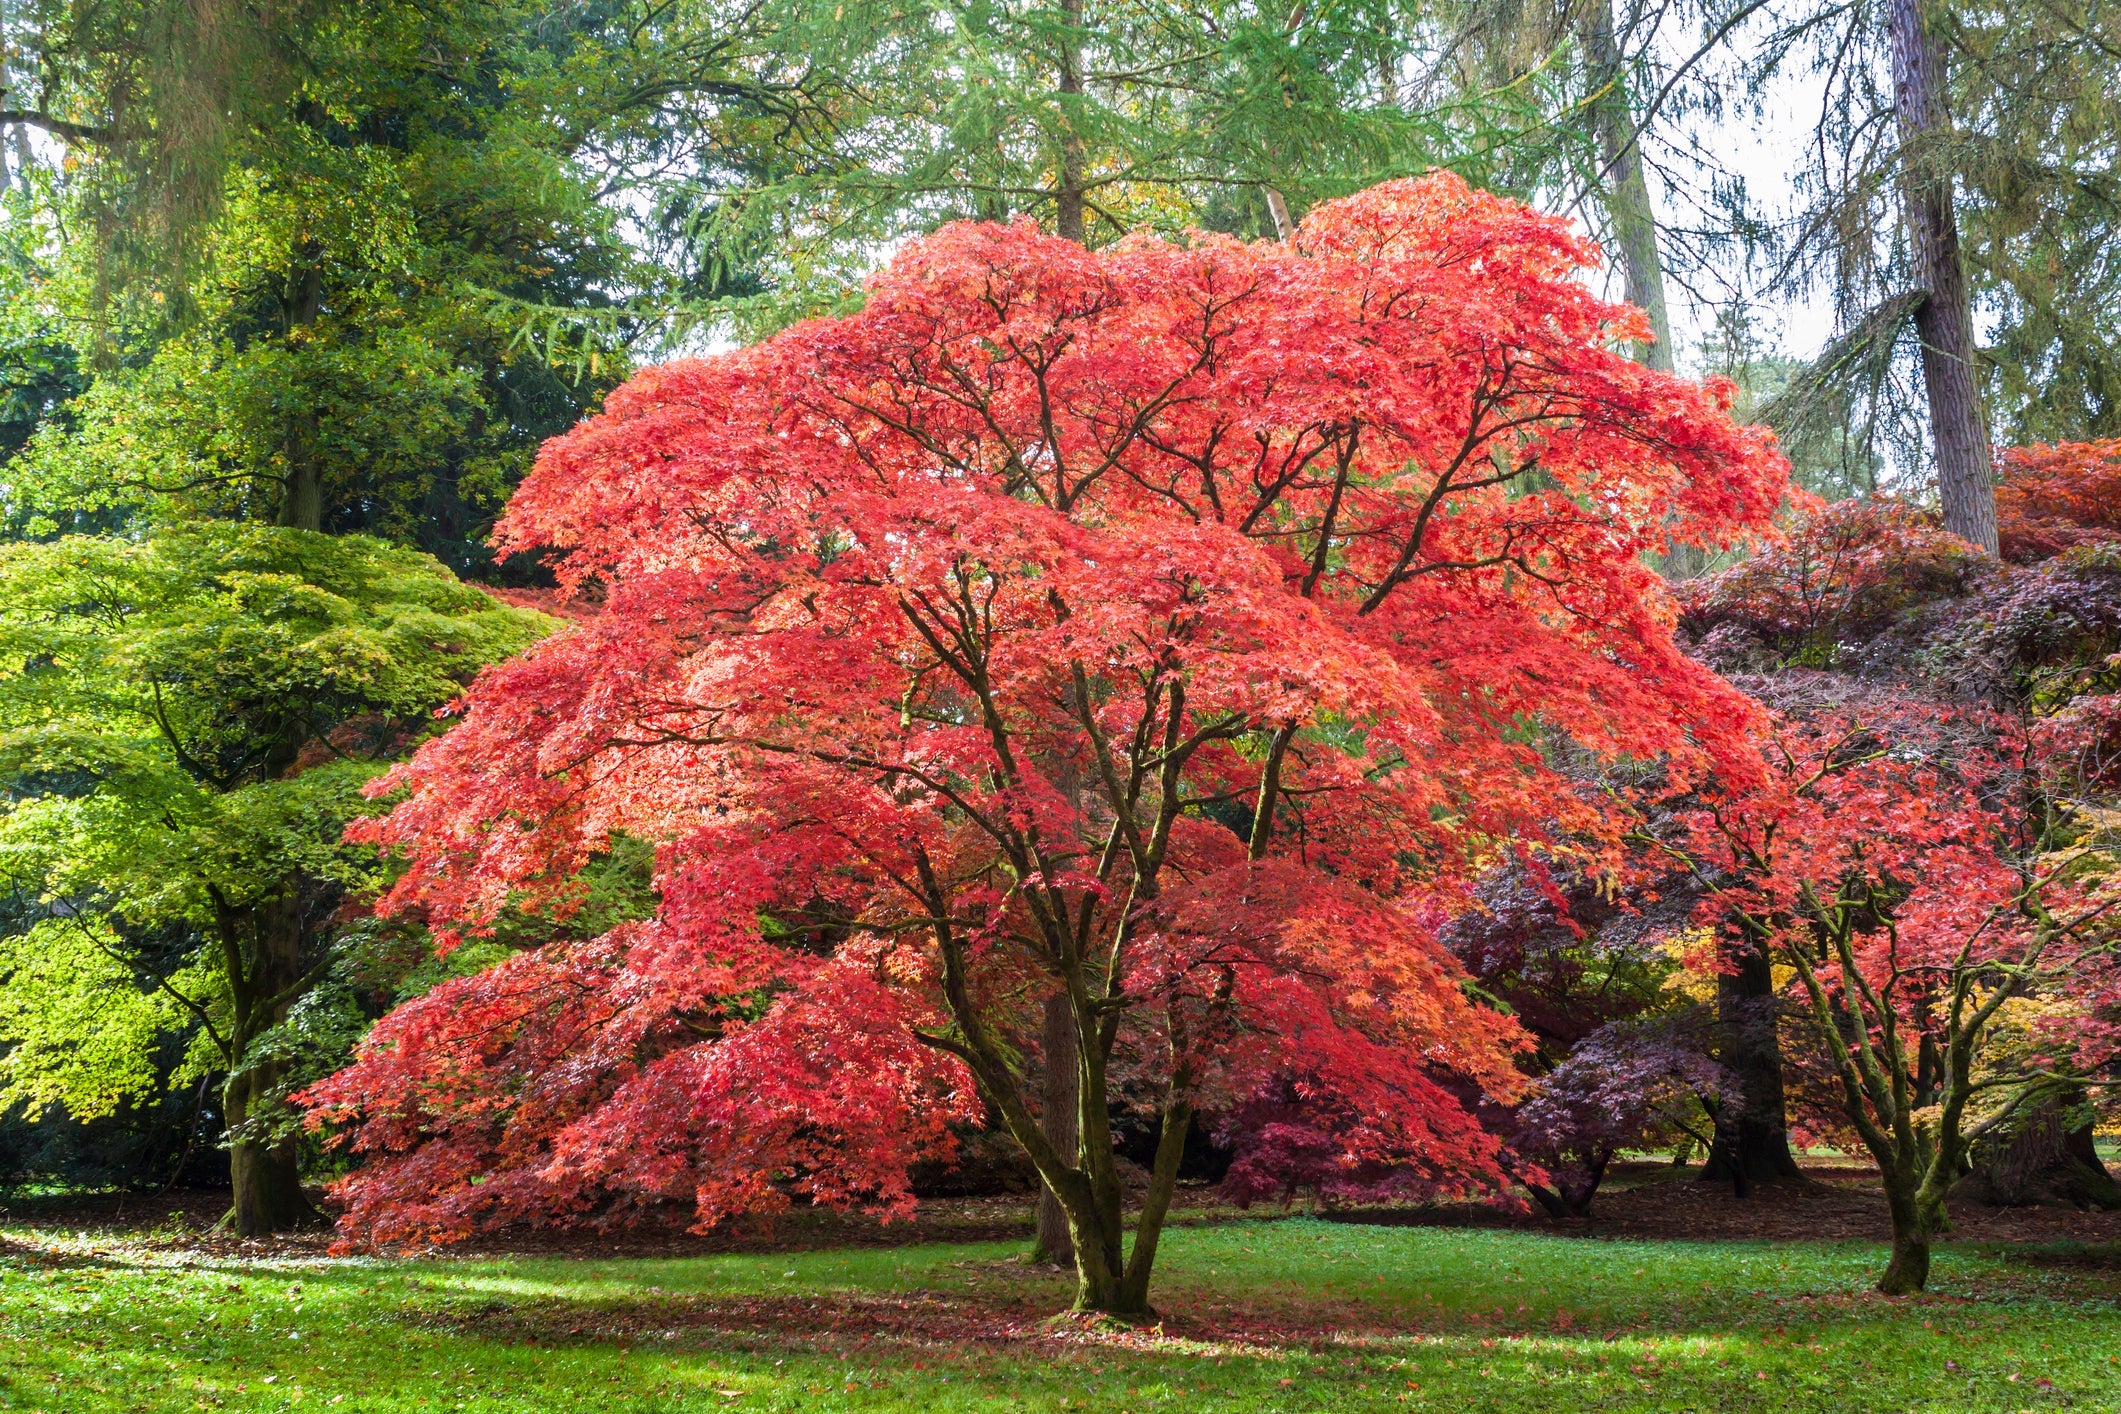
(1950, 933)
(1174, 628)
(1845, 573)
(2050, 498)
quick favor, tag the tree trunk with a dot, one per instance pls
(1753, 1137)
(1103, 1284)
(1568, 1199)
(1063, 1084)
(1096, 1222)
(1277, 204)
(1918, 1215)
(266, 1177)
(1108, 1280)
(1278, 208)
(1062, 1095)
(1068, 221)
(1944, 322)
(2094, 1186)
(1909, 1270)
(1625, 187)
(263, 1169)
(2044, 1158)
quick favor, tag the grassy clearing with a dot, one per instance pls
(1281, 1315)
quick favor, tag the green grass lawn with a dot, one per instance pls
(1274, 1315)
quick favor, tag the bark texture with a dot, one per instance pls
(1625, 188)
(267, 1182)
(1062, 1095)
(1944, 322)
(262, 949)
(1909, 1269)
(2047, 1158)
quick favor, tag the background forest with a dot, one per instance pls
(293, 292)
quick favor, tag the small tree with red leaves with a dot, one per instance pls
(1954, 970)
(2053, 497)
(1846, 572)
(1170, 628)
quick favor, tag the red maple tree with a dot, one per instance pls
(2053, 496)
(1845, 572)
(1171, 628)
(1948, 934)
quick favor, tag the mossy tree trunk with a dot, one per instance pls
(266, 1176)
(1908, 1076)
(2047, 1157)
(1914, 1200)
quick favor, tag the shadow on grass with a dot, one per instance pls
(2065, 1256)
(912, 1319)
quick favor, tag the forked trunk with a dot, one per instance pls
(1109, 1279)
(1572, 1191)
(1096, 1233)
(1101, 1284)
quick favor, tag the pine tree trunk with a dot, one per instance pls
(1068, 222)
(1752, 1138)
(1062, 1085)
(1277, 204)
(1278, 208)
(1945, 321)
(1625, 188)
